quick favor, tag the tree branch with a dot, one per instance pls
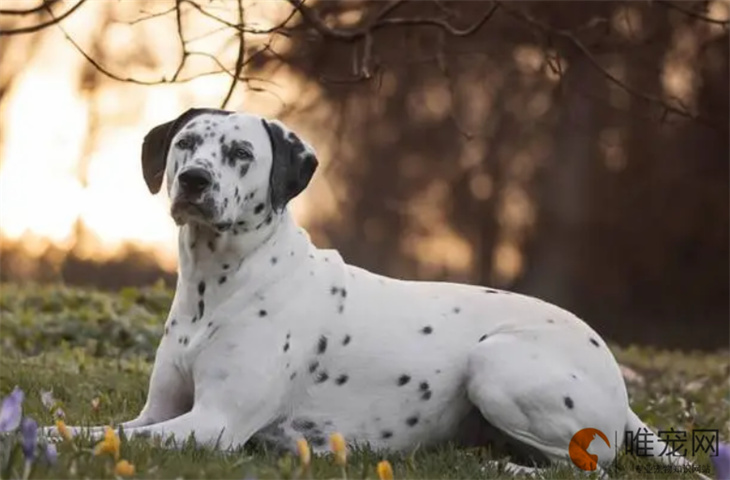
(350, 35)
(570, 37)
(694, 14)
(181, 37)
(41, 26)
(254, 31)
(239, 60)
(44, 4)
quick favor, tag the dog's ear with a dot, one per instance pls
(156, 145)
(293, 164)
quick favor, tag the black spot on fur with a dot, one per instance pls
(340, 308)
(427, 330)
(274, 260)
(457, 309)
(341, 380)
(167, 330)
(286, 347)
(489, 290)
(262, 313)
(293, 376)
(322, 345)
(222, 280)
(426, 395)
(550, 320)
(313, 366)
(343, 293)
(302, 425)
(322, 377)
(423, 386)
(568, 402)
(211, 245)
(243, 169)
(201, 288)
(403, 379)
(334, 290)
(346, 340)
(572, 375)
(317, 441)
(259, 208)
(483, 337)
(412, 421)
(386, 434)
(594, 342)
(226, 266)
(201, 308)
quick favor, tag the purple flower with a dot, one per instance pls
(29, 434)
(11, 410)
(51, 453)
(721, 462)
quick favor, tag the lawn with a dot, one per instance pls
(94, 350)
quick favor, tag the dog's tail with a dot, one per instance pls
(644, 442)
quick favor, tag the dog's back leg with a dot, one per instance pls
(536, 395)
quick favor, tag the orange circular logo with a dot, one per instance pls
(578, 448)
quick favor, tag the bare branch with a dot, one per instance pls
(254, 31)
(44, 4)
(181, 37)
(152, 15)
(692, 13)
(568, 35)
(41, 26)
(350, 35)
(239, 60)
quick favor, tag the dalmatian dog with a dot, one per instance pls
(272, 339)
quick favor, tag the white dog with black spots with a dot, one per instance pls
(270, 338)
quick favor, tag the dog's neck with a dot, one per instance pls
(215, 265)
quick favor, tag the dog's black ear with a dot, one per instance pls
(292, 167)
(156, 145)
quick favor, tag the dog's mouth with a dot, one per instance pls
(184, 211)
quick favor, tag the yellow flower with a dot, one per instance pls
(124, 469)
(385, 471)
(305, 455)
(63, 430)
(337, 442)
(109, 445)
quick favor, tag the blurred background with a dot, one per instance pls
(575, 151)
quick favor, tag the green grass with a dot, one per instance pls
(87, 345)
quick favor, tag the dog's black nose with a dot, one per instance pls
(194, 181)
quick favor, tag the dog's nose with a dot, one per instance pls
(194, 181)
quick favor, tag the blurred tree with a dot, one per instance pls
(577, 153)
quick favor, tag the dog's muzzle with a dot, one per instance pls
(191, 201)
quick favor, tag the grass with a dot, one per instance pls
(89, 345)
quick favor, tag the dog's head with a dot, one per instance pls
(226, 170)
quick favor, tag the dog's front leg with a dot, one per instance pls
(169, 395)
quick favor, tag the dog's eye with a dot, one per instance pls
(184, 143)
(242, 153)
